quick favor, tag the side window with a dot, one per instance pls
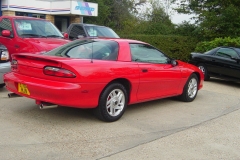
(148, 54)
(101, 50)
(5, 24)
(76, 31)
(227, 53)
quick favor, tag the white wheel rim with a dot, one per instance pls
(115, 102)
(192, 88)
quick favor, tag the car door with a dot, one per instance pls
(224, 63)
(8, 42)
(158, 78)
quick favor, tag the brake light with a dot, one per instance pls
(58, 72)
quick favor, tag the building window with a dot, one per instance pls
(43, 16)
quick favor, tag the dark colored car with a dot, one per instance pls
(84, 30)
(220, 62)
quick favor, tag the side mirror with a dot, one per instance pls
(65, 35)
(6, 33)
(236, 59)
(174, 62)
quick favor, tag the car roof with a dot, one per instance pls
(228, 47)
(22, 17)
(87, 24)
(120, 40)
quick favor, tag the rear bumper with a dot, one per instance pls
(83, 95)
(4, 68)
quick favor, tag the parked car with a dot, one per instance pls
(220, 62)
(4, 63)
(29, 35)
(83, 30)
(105, 74)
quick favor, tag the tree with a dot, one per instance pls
(155, 19)
(186, 29)
(216, 18)
(115, 13)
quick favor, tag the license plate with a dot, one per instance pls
(22, 88)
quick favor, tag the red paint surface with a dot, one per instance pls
(161, 80)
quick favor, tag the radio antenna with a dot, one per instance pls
(92, 53)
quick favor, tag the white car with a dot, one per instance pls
(4, 63)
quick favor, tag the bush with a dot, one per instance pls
(177, 47)
(217, 42)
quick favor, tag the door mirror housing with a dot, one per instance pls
(6, 33)
(65, 35)
(236, 59)
(174, 62)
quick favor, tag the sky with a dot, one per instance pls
(175, 17)
(178, 18)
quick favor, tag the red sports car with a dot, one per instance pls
(105, 74)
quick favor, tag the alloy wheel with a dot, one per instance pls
(115, 102)
(192, 87)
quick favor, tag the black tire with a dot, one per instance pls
(2, 85)
(109, 101)
(190, 89)
(203, 68)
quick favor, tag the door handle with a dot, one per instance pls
(144, 70)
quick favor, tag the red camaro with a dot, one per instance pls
(105, 74)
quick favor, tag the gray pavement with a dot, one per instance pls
(207, 128)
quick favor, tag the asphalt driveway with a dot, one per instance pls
(207, 128)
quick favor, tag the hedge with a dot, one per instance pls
(177, 47)
(217, 42)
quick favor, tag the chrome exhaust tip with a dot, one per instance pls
(47, 105)
(12, 95)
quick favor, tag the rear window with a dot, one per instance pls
(88, 49)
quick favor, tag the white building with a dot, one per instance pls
(59, 12)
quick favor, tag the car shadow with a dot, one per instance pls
(225, 82)
(55, 115)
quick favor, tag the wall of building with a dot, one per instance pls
(58, 7)
(8, 13)
(70, 10)
(75, 19)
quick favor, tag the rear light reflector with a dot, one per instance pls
(58, 72)
(14, 64)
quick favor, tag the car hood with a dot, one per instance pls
(46, 44)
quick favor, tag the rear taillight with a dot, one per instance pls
(58, 72)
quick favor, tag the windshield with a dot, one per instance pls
(101, 31)
(36, 28)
